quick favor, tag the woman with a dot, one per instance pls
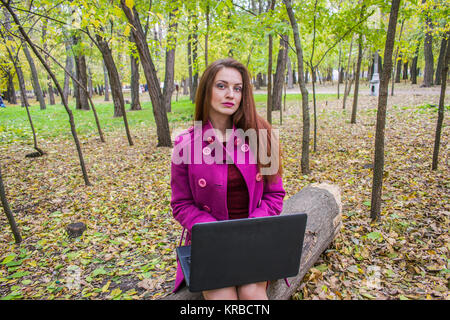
(215, 173)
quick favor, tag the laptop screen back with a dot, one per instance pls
(236, 252)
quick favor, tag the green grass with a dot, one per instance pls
(54, 121)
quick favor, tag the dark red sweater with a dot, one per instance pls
(237, 194)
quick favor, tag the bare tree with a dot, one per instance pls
(358, 70)
(279, 77)
(270, 6)
(437, 139)
(301, 81)
(116, 87)
(428, 71)
(8, 212)
(437, 78)
(170, 59)
(34, 77)
(375, 208)
(156, 96)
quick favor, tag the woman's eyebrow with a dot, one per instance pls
(239, 83)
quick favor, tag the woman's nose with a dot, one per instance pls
(230, 92)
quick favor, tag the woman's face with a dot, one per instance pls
(226, 93)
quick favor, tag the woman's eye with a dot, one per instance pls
(238, 89)
(220, 86)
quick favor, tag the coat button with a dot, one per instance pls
(244, 147)
(206, 151)
(202, 182)
(210, 139)
(258, 176)
(206, 208)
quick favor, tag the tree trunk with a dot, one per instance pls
(270, 6)
(339, 70)
(303, 90)
(437, 138)
(258, 83)
(105, 77)
(185, 87)
(19, 73)
(399, 69)
(428, 54)
(322, 204)
(190, 67)
(194, 63)
(51, 94)
(159, 112)
(8, 212)
(69, 68)
(313, 80)
(413, 71)
(90, 86)
(290, 76)
(114, 79)
(34, 77)
(207, 33)
(47, 68)
(375, 208)
(294, 76)
(347, 74)
(80, 64)
(278, 79)
(405, 71)
(170, 62)
(113, 75)
(357, 75)
(440, 62)
(135, 87)
(396, 62)
(11, 92)
(269, 81)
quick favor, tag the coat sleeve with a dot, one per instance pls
(271, 201)
(182, 202)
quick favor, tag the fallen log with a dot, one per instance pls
(322, 204)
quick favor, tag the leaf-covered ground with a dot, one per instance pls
(127, 251)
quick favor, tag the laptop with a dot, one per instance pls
(236, 252)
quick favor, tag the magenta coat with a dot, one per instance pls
(199, 189)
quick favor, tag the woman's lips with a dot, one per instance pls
(228, 104)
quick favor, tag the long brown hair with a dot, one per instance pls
(245, 116)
